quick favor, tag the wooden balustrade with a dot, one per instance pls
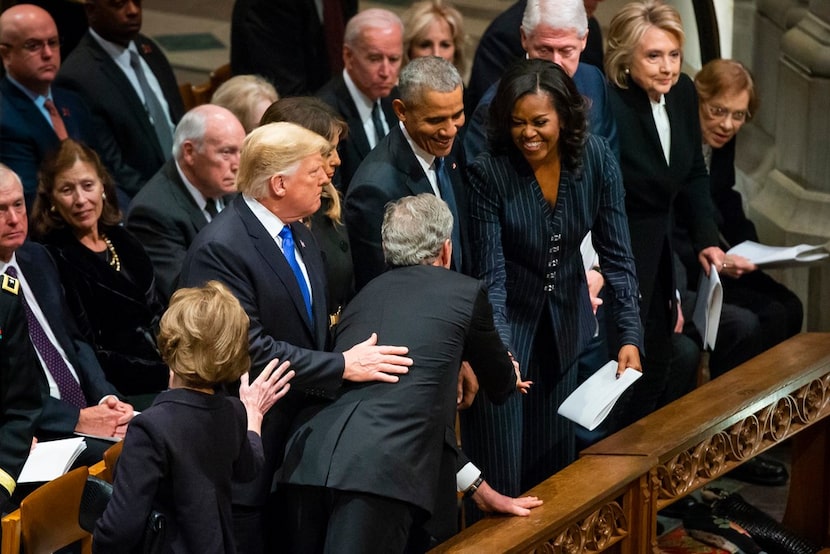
(608, 499)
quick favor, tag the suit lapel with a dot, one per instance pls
(183, 197)
(119, 81)
(267, 247)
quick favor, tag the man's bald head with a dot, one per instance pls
(30, 46)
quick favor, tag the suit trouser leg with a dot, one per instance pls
(363, 523)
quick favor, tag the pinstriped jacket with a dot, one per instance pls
(528, 252)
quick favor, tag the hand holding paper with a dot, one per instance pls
(592, 401)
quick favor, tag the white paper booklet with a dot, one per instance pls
(780, 256)
(49, 460)
(592, 401)
(708, 307)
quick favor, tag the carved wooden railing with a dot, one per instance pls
(783, 393)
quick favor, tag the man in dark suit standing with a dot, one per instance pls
(130, 88)
(270, 261)
(362, 94)
(369, 465)
(188, 191)
(419, 155)
(295, 44)
(36, 116)
(557, 31)
(80, 399)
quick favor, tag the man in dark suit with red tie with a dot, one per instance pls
(259, 248)
(131, 91)
(36, 116)
(418, 155)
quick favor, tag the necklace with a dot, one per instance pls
(115, 261)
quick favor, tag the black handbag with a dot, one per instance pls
(94, 500)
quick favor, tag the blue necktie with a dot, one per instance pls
(288, 250)
(448, 196)
(68, 386)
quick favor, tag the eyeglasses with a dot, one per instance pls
(719, 112)
(34, 46)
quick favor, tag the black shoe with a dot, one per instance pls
(680, 507)
(761, 471)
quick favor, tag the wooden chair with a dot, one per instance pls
(195, 95)
(49, 516)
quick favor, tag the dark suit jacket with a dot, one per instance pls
(390, 171)
(128, 143)
(179, 458)
(284, 41)
(528, 253)
(25, 135)
(355, 147)
(589, 82)
(117, 312)
(21, 383)
(237, 250)
(59, 418)
(165, 219)
(389, 439)
(653, 188)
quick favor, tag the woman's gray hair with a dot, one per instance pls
(428, 73)
(556, 14)
(414, 230)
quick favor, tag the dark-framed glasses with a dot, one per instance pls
(719, 112)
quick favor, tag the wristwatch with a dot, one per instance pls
(471, 490)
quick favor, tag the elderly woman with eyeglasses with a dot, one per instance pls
(727, 101)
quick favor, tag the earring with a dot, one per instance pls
(627, 71)
(52, 208)
(104, 196)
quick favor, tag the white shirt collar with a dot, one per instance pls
(269, 220)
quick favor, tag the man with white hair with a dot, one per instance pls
(188, 191)
(557, 31)
(362, 94)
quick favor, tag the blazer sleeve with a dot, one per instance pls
(140, 469)
(364, 207)
(486, 354)
(485, 205)
(21, 386)
(612, 241)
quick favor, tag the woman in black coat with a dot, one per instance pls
(107, 277)
(662, 167)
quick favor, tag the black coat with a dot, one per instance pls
(117, 312)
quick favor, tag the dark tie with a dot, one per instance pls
(288, 250)
(377, 121)
(153, 107)
(447, 194)
(67, 384)
(57, 121)
(211, 208)
(334, 27)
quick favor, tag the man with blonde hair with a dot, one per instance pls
(270, 261)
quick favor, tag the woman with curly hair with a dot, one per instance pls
(542, 186)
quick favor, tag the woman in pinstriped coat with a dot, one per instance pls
(544, 184)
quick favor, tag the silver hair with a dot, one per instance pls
(427, 73)
(8, 173)
(414, 230)
(556, 14)
(191, 127)
(372, 18)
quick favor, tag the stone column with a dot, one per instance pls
(791, 205)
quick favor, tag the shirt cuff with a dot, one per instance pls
(466, 476)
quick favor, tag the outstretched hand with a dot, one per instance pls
(269, 386)
(489, 500)
(366, 361)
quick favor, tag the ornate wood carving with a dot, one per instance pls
(595, 533)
